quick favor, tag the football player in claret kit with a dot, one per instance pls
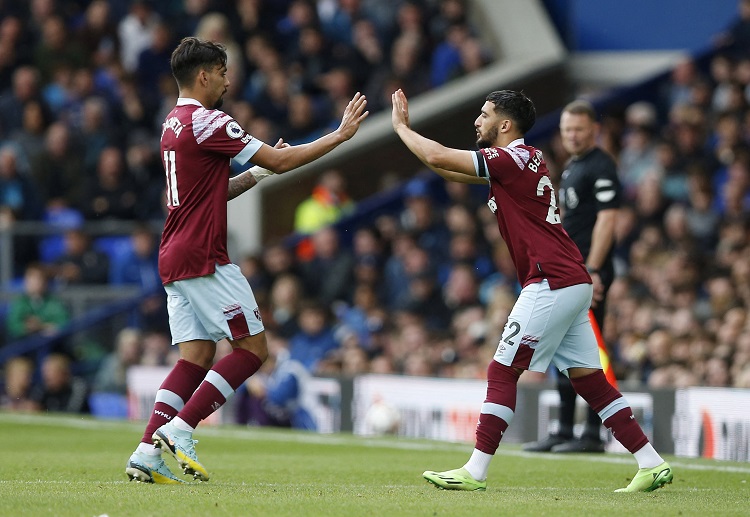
(208, 298)
(549, 322)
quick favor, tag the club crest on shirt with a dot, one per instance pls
(256, 311)
(234, 130)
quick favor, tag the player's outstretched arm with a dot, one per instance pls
(249, 178)
(451, 164)
(288, 158)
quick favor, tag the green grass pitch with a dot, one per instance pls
(62, 465)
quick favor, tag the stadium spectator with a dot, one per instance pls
(37, 309)
(153, 65)
(25, 88)
(461, 289)
(111, 193)
(421, 218)
(328, 202)
(315, 338)
(278, 260)
(111, 376)
(157, 349)
(328, 274)
(80, 262)
(193, 261)
(18, 202)
(505, 118)
(286, 295)
(138, 266)
(15, 48)
(30, 138)
(97, 32)
(136, 32)
(18, 377)
(423, 297)
(57, 168)
(215, 26)
(60, 390)
(56, 48)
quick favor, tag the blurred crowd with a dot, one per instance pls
(85, 86)
(424, 291)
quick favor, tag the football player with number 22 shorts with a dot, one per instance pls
(549, 322)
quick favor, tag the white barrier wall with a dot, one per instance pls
(712, 423)
(694, 422)
(441, 409)
(322, 398)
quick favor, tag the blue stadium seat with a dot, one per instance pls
(115, 246)
(60, 218)
(108, 405)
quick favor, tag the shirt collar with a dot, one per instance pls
(516, 142)
(185, 101)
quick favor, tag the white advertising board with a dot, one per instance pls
(712, 423)
(418, 407)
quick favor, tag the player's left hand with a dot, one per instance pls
(400, 113)
(281, 144)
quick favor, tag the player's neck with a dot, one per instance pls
(190, 93)
(504, 139)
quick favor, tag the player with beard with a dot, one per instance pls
(549, 322)
(208, 298)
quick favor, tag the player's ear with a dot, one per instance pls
(505, 125)
(202, 77)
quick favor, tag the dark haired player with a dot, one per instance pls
(549, 321)
(208, 299)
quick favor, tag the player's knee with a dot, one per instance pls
(256, 344)
(499, 371)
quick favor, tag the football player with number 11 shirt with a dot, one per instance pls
(208, 298)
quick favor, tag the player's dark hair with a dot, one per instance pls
(581, 107)
(193, 55)
(516, 106)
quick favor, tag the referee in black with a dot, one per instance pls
(590, 194)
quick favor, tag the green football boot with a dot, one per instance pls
(457, 479)
(648, 480)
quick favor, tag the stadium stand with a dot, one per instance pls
(678, 312)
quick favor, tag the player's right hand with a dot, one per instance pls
(354, 114)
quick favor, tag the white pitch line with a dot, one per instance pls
(259, 433)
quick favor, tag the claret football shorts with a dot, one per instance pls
(213, 307)
(547, 325)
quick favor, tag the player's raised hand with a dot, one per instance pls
(281, 144)
(354, 114)
(400, 113)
